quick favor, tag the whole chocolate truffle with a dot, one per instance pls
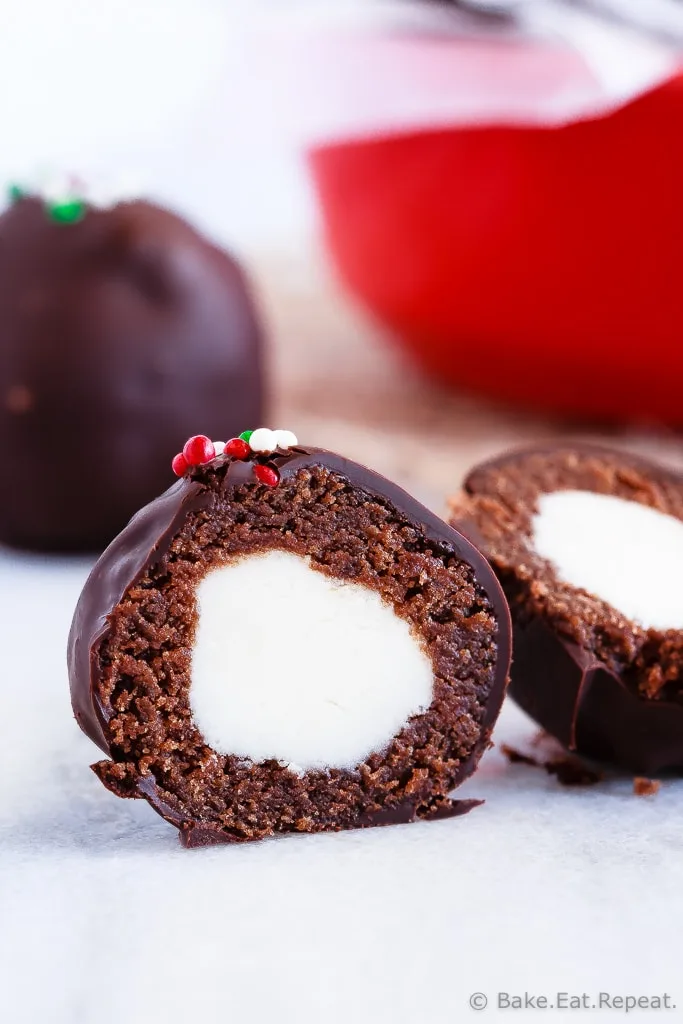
(285, 641)
(588, 545)
(120, 333)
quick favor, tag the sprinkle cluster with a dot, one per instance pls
(66, 196)
(255, 444)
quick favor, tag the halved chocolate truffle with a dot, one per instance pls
(588, 545)
(121, 331)
(285, 641)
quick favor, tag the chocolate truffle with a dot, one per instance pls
(588, 545)
(121, 331)
(285, 641)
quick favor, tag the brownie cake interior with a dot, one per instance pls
(299, 658)
(591, 542)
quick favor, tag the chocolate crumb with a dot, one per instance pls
(645, 787)
(568, 770)
(516, 757)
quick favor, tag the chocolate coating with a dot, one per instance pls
(147, 538)
(588, 707)
(197, 834)
(587, 701)
(120, 336)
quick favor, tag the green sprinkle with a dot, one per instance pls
(15, 193)
(67, 211)
(246, 435)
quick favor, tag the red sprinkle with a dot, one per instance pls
(198, 450)
(179, 465)
(267, 475)
(238, 448)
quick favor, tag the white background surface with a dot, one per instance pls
(103, 917)
(206, 102)
(175, 93)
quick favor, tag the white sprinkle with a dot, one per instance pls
(101, 196)
(105, 193)
(55, 189)
(263, 440)
(219, 447)
(285, 439)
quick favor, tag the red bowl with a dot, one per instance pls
(538, 265)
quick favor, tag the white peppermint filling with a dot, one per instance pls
(293, 665)
(624, 553)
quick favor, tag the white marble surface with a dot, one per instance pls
(105, 918)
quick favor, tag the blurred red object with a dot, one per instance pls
(540, 265)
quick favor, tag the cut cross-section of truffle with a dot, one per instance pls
(121, 331)
(301, 650)
(588, 545)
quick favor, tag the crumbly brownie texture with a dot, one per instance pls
(142, 676)
(496, 510)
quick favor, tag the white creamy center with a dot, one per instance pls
(292, 665)
(627, 554)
